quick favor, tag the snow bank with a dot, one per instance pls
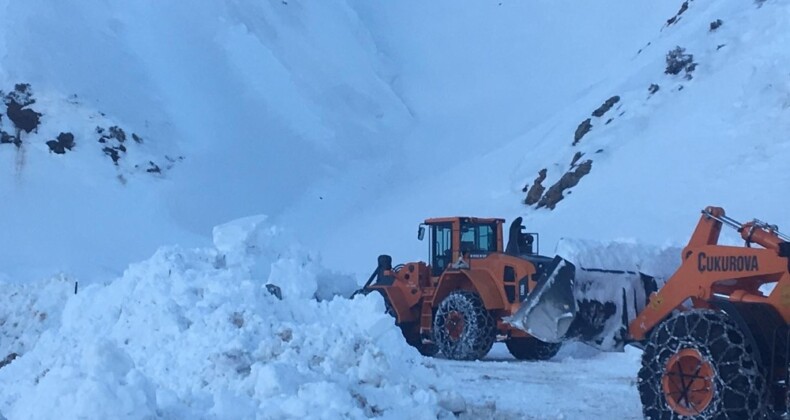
(29, 309)
(657, 261)
(195, 334)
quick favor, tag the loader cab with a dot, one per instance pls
(452, 237)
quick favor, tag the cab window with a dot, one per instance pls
(478, 238)
(442, 252)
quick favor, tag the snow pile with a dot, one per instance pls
(196, 334)
(657, 261)
(29, 309)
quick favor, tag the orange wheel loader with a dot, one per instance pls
(455, 304)
(716, 335)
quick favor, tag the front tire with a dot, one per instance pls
(530, 348)
(463, 329)
(699, 365)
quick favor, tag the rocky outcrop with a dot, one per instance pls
(537, 189)
(606, 106)
(582, 130)
(678, 61)
(568, 180)
(65, 141)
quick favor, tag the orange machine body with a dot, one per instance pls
(467, 253)
(711, 272)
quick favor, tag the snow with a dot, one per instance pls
(349, 122)
(194, 333)
(577, 383)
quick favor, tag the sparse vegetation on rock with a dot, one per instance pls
(678, 61)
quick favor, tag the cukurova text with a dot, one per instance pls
(728, 263)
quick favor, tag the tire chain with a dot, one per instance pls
(479, 327)
(740, 387)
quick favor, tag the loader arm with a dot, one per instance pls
(709, 270)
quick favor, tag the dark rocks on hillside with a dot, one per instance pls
(113, 138)
(6, 138)
(678, 61)
(534, 194)
(653, 88)
(8, 359)
(22, 95)
(606, 106)
(716, 24)
(112, 133)
(17, 102)
(113, 154)
(581, 130)
(153, 168)
(676, 18)
(137, 139)
(643, 48)
(569, 180)
(24, 119)
(65, 141)
(576, 158)
(117, 133)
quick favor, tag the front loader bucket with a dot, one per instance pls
(550, 308)
(589, 305)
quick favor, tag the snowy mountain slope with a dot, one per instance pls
(474, 80)
(333, 139)
(718, 138)
(261, 100)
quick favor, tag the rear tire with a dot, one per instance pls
(530, 348)
(463, 329)
(698, 364)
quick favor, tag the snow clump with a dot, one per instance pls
(195, 334)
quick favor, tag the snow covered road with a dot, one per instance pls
(579, 383)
